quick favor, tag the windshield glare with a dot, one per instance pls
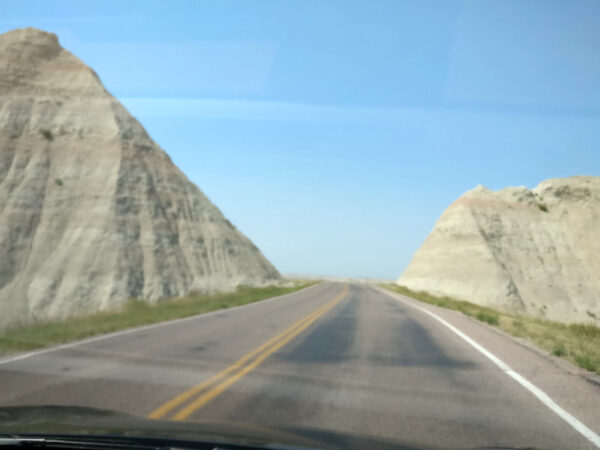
(317, 224)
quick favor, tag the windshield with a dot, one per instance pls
(297, 221)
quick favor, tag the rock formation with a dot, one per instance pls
(534, 252)
(92, 211)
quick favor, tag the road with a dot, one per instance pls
(341, 357)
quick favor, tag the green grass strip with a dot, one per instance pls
(578, 343)
(132, 314)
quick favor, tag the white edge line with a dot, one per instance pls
(541, 395)
(101, 337)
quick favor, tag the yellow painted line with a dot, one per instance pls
(219, 389)
(178, 400)
(175, 402)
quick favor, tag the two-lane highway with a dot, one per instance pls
(333, 357)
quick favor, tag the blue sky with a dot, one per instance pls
(335, 133)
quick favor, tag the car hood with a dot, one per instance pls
(76, 420)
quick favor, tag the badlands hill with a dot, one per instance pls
(92, 211)
(533, 252)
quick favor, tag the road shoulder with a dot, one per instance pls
(568, 388)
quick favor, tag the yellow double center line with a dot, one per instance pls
(239, 369)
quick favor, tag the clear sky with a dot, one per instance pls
(335, 133)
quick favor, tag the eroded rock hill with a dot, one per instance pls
(534, 252)
(92, 211)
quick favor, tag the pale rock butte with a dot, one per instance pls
(92, 211)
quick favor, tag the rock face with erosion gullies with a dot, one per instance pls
(533, 252)
(92, 211)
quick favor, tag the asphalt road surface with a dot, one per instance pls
(337, 357)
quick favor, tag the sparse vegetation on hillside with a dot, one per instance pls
(133, 313)
(543, 207)
(577, 343)
(47, 134)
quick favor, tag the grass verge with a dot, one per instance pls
(577, 343)
(133, 313)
